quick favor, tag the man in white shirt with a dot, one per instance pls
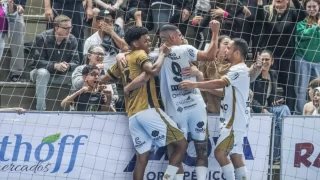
(234, 109)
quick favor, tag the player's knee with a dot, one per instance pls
(237, 160)
(202, 151)
(219, 154)
(142, 159)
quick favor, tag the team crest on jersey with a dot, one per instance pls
(180, 109)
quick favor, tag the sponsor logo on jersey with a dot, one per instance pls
(235, 76)
(191, 53)
(180, 109)
(173, 56)
(139, 144)
(200, 127)
(156, 136)
(174, 87)
(185, 101)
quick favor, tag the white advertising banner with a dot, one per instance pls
(300, 148)
(85, 146)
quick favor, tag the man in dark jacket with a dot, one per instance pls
(265, 99)
(55, 58)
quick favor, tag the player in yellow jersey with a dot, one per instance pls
(148, 124)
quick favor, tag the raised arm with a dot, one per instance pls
(300, 12)
(137, 82)
(210, 53)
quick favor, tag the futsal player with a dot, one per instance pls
(234, 110)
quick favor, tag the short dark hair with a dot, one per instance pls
(314, 83)
(168, 27)
(242, 46)
(103, 13)
(87, 69)
(134, 33)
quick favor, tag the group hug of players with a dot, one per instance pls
(185, 110)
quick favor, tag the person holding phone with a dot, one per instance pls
(265, 98)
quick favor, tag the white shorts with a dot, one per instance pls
(196, 123)
(153, 126)
(230, 141)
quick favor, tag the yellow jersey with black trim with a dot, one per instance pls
(235, 104)
(144, 97)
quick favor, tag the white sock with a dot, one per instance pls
(241, 173)
(201, 172)
(179, 177)
(170, 172)
(228, 171)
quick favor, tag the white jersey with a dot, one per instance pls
(235, 103)
(181, 102)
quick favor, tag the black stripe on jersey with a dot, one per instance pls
(112, 75)
(150, 101)
(148, 60)
(157, 82)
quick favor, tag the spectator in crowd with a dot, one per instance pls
(176, 12)
(16, 28)
(94, 57)
(316, 102)
(279, 23)
(6, 7)
(215, 70)
(112, 6)
(265, 98)
(92, 96)
(74, 9)
(205, 11)
(308, 108)
(54, 59)
(17, 109)
(140, 12)
(110, 36)
(307, 52)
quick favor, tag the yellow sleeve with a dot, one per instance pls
(114, 72)
(142, 58)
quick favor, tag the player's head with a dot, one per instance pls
(237, 51)
(267, 60)
(171, 35)
(312, 85)
(223, 42)
(62, 26)
(95, 55)
(138, 39)
(316, 97)
(91, 75)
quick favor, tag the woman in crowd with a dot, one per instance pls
(6, 7)
(308, 108)
(316, 102)
(279, 22)
(308, 52)
(94, 57)
(265, 99)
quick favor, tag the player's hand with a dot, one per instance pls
(217, 12)
(49, 14)
(126, 91)
(164, 49)
(121, 60)
(197, 20)
(185, 15)
(20, 110)
(89, 14)
(106, 28)
(190, 71)
(214, 26)
(187, 84)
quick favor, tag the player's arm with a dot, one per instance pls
(213, 84)
(137, 82)
(112, 75)
(210, 53)
(154, 69)
(216, 92)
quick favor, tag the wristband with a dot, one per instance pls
(225, 14)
